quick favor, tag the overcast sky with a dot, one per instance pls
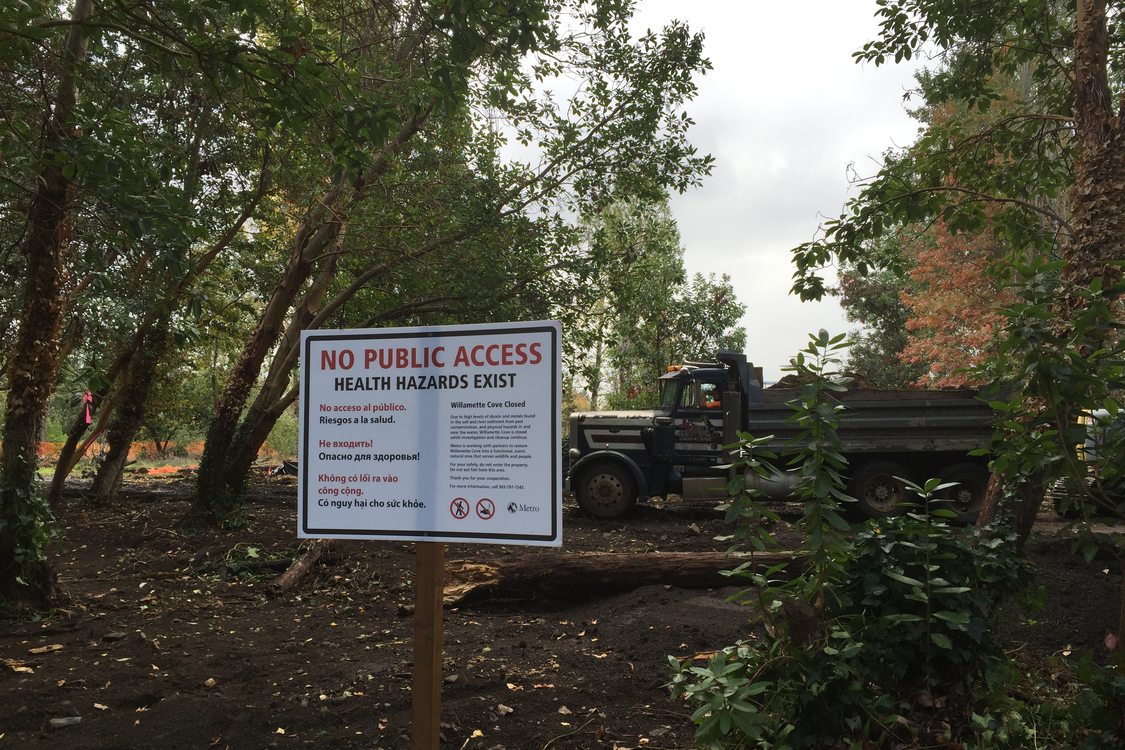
(784, 111)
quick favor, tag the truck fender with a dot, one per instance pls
(620, 458)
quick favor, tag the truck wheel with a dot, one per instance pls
(607, 490)
(877, 492)
(967, 497)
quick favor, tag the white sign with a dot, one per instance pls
(440, 433)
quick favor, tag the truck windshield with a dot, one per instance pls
(668, 395)
(701, 394)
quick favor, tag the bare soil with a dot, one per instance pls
(162, 640)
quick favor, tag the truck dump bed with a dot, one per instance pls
(905, 421)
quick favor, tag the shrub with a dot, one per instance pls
(884, 636)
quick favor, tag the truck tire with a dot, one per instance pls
(606, 490)
(877, 492)
(967, 497)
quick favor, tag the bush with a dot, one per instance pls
(884, 639)
(908, 637)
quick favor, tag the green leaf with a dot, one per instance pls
(836, 520)
(757, 688)
(902, 578)
(902, 617)
(954, 618)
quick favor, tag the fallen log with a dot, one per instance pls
(557, 575)
(304, 562)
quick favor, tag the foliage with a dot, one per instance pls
(911, 625)
(1009, 170)
(902, 615)
(819, 463)
(874, 300)
(1049, 373)
(1095, 712)
(985, 182)
(1022, 152)
(954, 305)
(1060, 373)
(284, 435)
(692, 321)
(642, 312)
(26, 525)
(179, 405)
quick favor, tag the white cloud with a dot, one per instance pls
(784, 111)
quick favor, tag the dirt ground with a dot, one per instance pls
(159, 643)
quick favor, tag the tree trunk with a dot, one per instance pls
(1098, 197)
(218, 490)
(248, 440)
(1025, 508)
(990, 506)
(561, 575)
(67, 454)
(105, 401)
(271, 400)
(33, 365)
(129, 416)
(216, 500)
(596, 382)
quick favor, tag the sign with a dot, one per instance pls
(439, 433)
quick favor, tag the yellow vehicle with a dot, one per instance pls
(1101, 490)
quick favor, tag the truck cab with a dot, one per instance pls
(619, 457)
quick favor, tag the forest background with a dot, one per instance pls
(186, 186)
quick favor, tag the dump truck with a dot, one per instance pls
(618, 458)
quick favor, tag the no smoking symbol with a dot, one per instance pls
(459, 507)
(485, 508)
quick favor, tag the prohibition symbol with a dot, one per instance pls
(485, 508)
(460, 507)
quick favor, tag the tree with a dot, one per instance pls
(691, 322)
(1046, 174)
(620, 132)
(642, 312)
(955, 306)
(34, 359)
(636, 267)
(175, 167)
(96, 195)
(875, 301)
(948, 304)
